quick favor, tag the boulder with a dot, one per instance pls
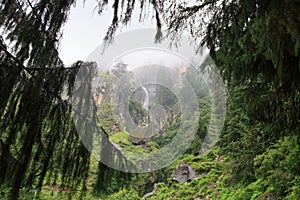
(140, 135)
(183, 173)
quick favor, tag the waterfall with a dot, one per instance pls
(146, 101)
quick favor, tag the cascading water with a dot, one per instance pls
(146, 101)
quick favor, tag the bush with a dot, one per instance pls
(280, 165)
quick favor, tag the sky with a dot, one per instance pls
(85, 30)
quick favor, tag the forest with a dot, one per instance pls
(44, 142)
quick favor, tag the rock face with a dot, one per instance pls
(183, 173)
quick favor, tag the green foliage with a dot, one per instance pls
(166, 136)
(203, 187)
(280, 165)
(105, 116)
(137, 112)
(125, 194)
(120, 138)
(256, 47)
(295, 193)
(205, 114)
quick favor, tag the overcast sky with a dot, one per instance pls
(85, 30)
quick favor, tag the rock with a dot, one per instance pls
(136, 140)
(183, 173)
(140, 135)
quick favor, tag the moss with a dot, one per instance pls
(120, 138)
